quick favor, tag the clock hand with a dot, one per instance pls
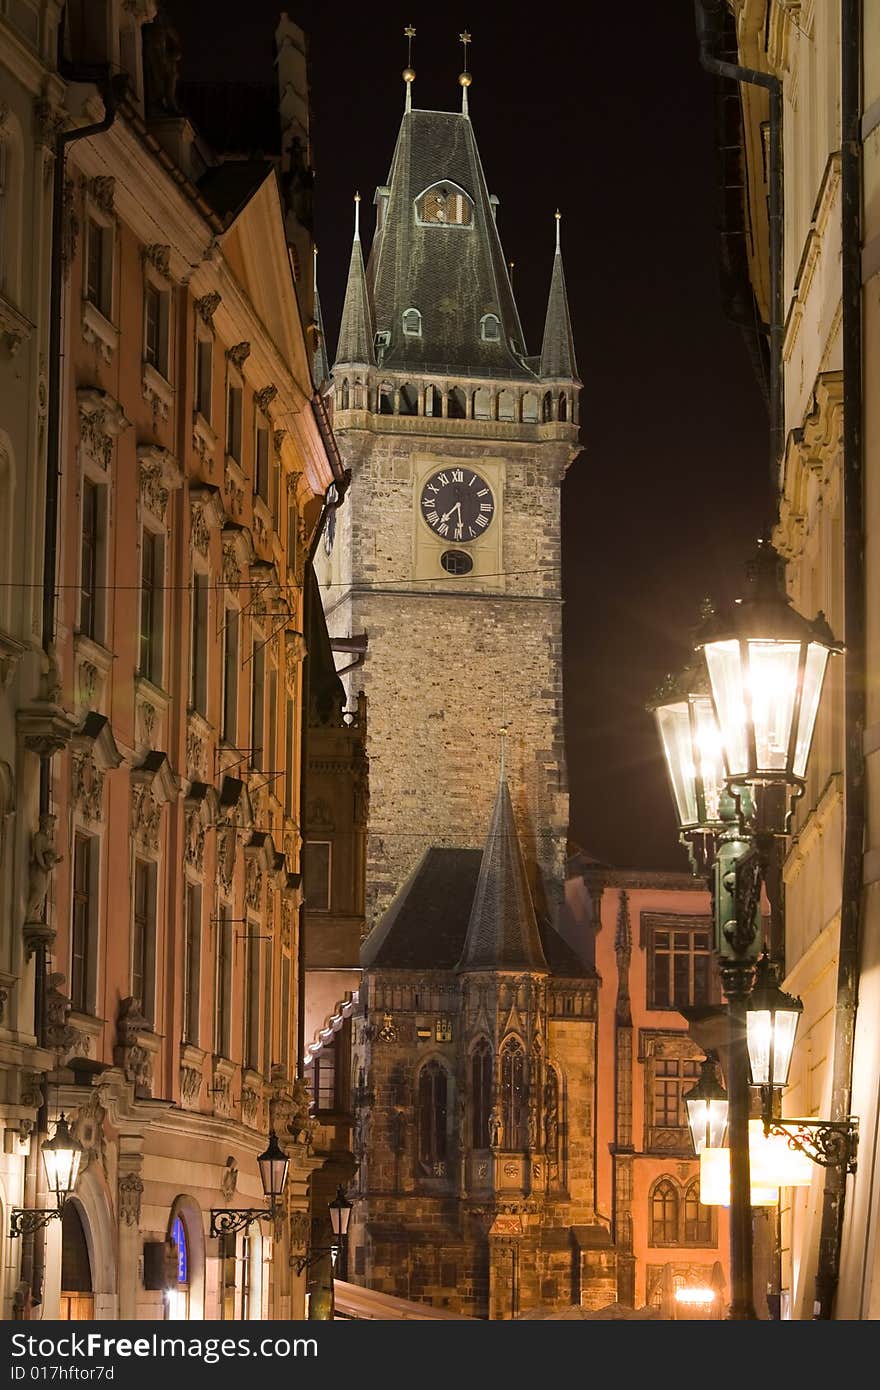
(447, 515)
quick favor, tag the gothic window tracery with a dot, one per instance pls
(481, 1094)
(432, 1109)
(513, 1096)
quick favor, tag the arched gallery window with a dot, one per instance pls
(432, 1114)
(481, 1094)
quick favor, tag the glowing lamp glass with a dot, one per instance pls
(340, 1213)
(62, 1155)
(771, 1026)
(273, 1165)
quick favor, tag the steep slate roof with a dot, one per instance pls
(355, 331)
(453, 275)
(503, 929)
(557, 349)
(426, 926)
(320, 365)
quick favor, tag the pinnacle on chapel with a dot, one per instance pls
(503, 930)
(557, 348)
(355, 332)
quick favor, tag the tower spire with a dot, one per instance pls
(409, 72)
(464, 76)
(557, 349)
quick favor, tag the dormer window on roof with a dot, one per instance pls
(412, 323)
(446, 205)
(490, 328)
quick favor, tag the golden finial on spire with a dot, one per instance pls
(409, 72)
(504, 730)
(464, 77)
(357, 216)
(558, 221)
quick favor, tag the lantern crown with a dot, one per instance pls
(765, 612)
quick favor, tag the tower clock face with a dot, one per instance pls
(457, 504)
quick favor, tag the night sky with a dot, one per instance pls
(605, 113)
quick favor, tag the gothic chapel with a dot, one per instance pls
(474, 1048)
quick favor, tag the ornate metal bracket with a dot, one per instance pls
(306, 1261)
(228, 1220)
(829, 1143)
(23, 1221)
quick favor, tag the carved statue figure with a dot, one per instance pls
(300, 1124)
(495, 1127)
(42, 862)
(162, 54)
(551, 1121)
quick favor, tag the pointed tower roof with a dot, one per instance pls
(503, 930)
(356, 330)
(320, 364)
(557, 349)
(437, 250)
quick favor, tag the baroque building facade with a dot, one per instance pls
(153, 923)
(825, 60)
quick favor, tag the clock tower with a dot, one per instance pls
(446, 554)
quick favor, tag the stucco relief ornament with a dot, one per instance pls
(231, 567)
(102, 191)
(146, 818)
(60, 1032)
(253, 888)
(130, 1189)
(265, 396)
(207, 306)
(48, 120)
(159, 257)
(88, 787)
(70, 225)
(190, 1084)
(132, 1056)
(43, 859)
(250, 1105)
(199, 531)
(300, 1125)
(195, 839)
(226, 856)
(89, 1130)
(238, 354)
(51, 684)
(154, 493)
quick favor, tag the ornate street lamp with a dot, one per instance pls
(771, 1026)
(340, 1215)
(766, 665)
(62, 1155)
(273, 1164)
(706, 1105)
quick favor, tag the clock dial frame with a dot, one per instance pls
(457, 504)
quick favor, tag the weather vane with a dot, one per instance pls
(464, 77)
(409, 72)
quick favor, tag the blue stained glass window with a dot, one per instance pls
(178, 1235)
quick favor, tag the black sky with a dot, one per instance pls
(606, 113)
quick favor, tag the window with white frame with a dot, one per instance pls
(192, 959)
(204, 376)
(84, 923)
(230, 676)
(99, 248)
(93, 550)
(258, 702)
(157, 325)
(223, 983)
(198, 674)
(233, 417)
(152, 605)
(261, 460)
(143, 936)
(490, 328)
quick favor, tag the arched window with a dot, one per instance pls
(563, 406)
(697, 1218)
(178, 1294)
(547, 407)
(456, 409)
(358, 395)
(433, 401)
(482, 403)
(343, 395)
(490, 328)
(481, 1094)
(445, 205)
(386, 399)
(513, 1107)
(530, 407)
(408, 400)
(412, 323)
(432, 1116)
(506, 405)
(664, 1213)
